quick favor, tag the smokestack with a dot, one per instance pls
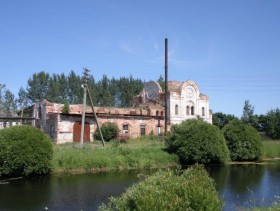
(166, 86)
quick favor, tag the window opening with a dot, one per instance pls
(176, 109)
(143, 130)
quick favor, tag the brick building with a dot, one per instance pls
(145, 117)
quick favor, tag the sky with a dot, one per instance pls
(230, 48)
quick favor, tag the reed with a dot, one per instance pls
(134, 154)
(271, 148)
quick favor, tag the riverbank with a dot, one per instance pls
(143, 153)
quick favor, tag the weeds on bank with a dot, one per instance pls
(271, 148)
(138, 153)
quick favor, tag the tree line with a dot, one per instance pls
(268, 123)
(66, 89)
(61, 88)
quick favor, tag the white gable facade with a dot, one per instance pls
(186, 102)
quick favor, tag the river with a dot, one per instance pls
(239, 186)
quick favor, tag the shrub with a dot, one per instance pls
(24, 150)
(196, 141)
(169, 190)
(244, 141)
(109, 131)
(66, 108)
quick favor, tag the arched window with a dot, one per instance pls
(192, 110)
(156, 113)
(161, 113)
(203, 111)
(188, 110)
(176, 109)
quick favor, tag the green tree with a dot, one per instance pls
(248, 116)
(220, 119)
(2, 88)
(92, 90)
(196, 141)
(105, 92)
(105, 98)
(161, 82)
(37, 86)
(53, 90)
(244, 141)
(271, 123)
(8, 102)
(74, 91)
(129, 88)
(22, 98)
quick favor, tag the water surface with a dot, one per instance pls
(239, 186)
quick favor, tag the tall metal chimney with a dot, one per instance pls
(166, 86)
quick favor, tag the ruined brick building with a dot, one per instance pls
(145, 117)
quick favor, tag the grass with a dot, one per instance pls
(135, 154)
(271, 148)
(140, 153)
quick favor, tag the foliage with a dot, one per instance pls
(169, 190)
(109, 131)
(196, 141)
(24, 150)
(134, 154)
(66, 108)
(8, 103)
(248, 116)
(271, 123)
(22, 98)
(271, 148)
(60, 88)
(161, 82)
(220, 119)
(244, 141)
(38, 86)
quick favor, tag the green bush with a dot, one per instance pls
(196, 141)
(109, 131)
(244, 141)
(169, 190)
(24, 150)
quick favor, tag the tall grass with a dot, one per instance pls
(135, 154)
(271, 148)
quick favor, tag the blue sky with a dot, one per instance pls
(230, 48)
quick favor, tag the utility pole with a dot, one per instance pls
(95, 117)
(86, 91)
(84, 104)
(166, 87)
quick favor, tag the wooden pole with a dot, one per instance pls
(84, 105)
(95, 117)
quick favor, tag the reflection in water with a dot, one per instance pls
(246, 185)
(239, 186)
(64, 192)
